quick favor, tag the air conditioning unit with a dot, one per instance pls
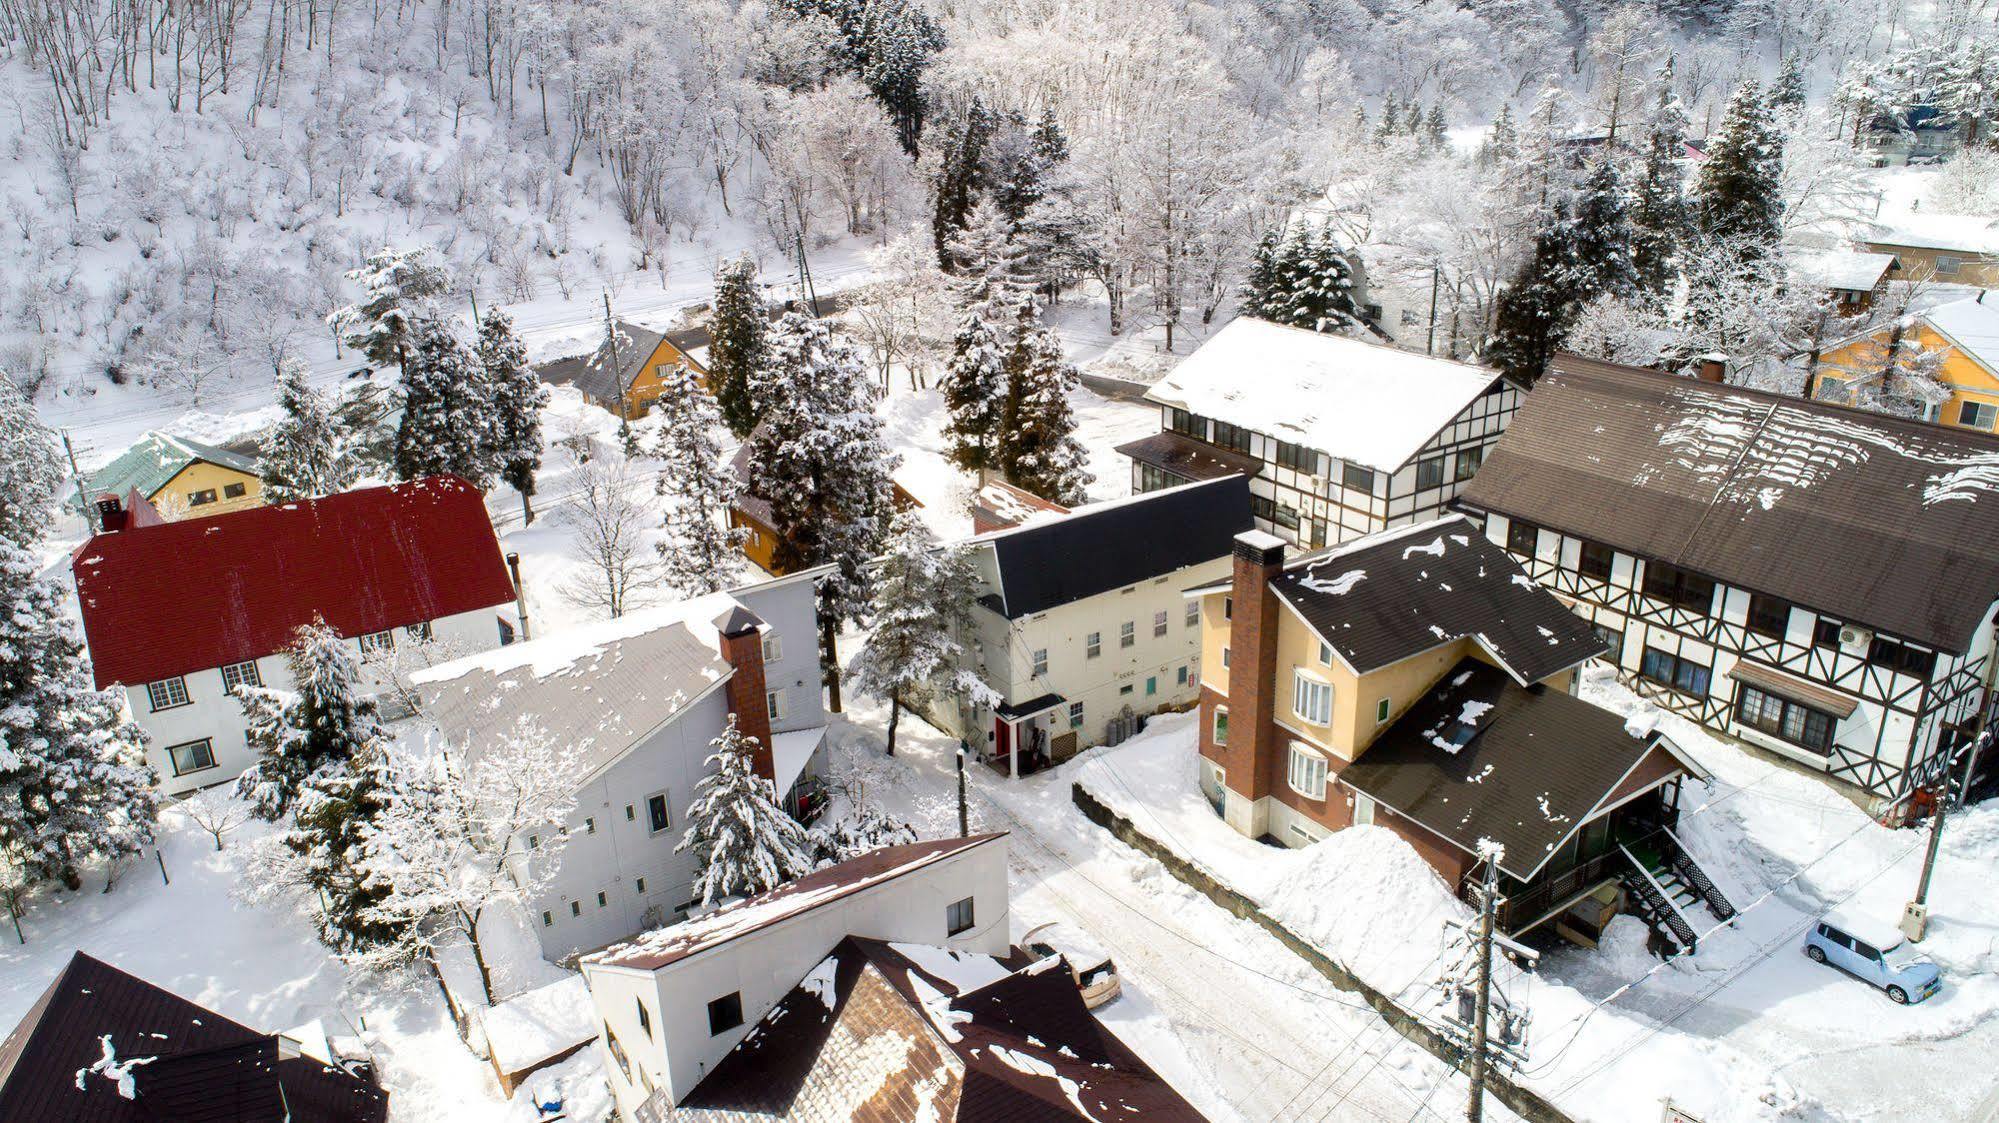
(1855, 639)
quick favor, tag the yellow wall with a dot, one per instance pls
(647, 384)
(1966, 377)
(174, 499)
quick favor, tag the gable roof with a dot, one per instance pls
(662, 946)
(157, 458)
(977, 1038)
(1106, 546)
(1393, 594)
(1368, 403)
(207, 1067)
(1867, 518)
(597, 377)
(1972, 326)
(1538, 762)
(181, 597)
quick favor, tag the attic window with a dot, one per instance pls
(233, 491)
(201, 498)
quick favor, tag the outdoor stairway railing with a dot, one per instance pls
(1691, 872)
(1658, 906)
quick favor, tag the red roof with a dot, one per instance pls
(169, 600)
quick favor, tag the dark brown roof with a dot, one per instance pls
(1380, 599)
(662, 946)
(207, 1067)
(1536, 763)
(1867, 518)
(1014, 1050)
(1188, 458)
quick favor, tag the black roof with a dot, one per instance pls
(1110, 545)
(206, 1067)
(1380, 599)
(1867, 518)
(1188, 458)
(1538, 761)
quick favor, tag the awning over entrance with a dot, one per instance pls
(1802, 691)
(1014, 711)
(1188, 458)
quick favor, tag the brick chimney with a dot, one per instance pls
(1712, 368)
(1251, 755)
(110, 514)
(742, 647)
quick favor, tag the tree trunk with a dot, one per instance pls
(527, 509)
(829, 660)
(479, 958)
(894, 712)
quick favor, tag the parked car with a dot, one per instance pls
(1875, 953)
(1096, 976)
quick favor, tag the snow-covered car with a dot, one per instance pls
(1096, 976)
(1875, 953)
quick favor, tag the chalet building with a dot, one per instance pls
(1852, 279)
(105, 1046)
(752, 513)
(1814, 580)
(886, 982)
(1960, 339)
(1080, 627)
(179, 614)
(1943, 253)
(629, 383)
(1416, 680)
(180, 478)
(640, 699)
(1339, 437)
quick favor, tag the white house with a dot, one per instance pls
(1080, 626)
(1340, 437)
(676, 1000)
(640, 698)
(178, 614)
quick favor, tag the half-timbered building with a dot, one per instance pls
(1815, 580)
(1339, 437)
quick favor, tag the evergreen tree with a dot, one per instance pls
(1738, 199)
(518, 397)
(1391, 118)
(737, 330)
(922, 607)
(30, 467)
(1787, 94)
(447, 410)
(888, 45)
(337, 803)
(1412, 121)
(1303, 279)
(295, 733)
(1359, 126)
(1659, 217)
(744, 842)
(991, 261)
(961, 177)
(1603, 237)
(402, 288)
(1534, 311)
(1436, 136)
(1038, 449)
(700, 552)
(303, 456)
(1502, 140)
(74, 781)
(975, 393)
(864, 829)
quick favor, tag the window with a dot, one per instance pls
(1357, 477)
(640, 884)
(1157, 479)
(1093, 645)
(1946, 265)
(1468, 462)
(617, 1050)
(419, 631)
(1325, 654)
(1127, 633)
(1182, 679)
(1263, 507)
(1522, 536)
(773, 645)
(656, 816)
(1900, 657)
(1825, 633)
(1192, 615)
(1311, 699)
(1977, 415)
(958, 917)
(1780, 717)
(167, 693)
(233, 491)
(1768, 616)
(1612, 638)
(1676, 671)
(1430, 472)
(602, 899)
(629, 814)
(1228, 608)
(241, 674)
(1381, 711)
(1284, 516)
(1159, 620)
(1187, 424)
(1225, 658)
(1363, 810)
(774, 705)
(1221, 725)
(1231, 437)
(589, 825)
(1125, 689)
(380, 641)
(576, 908)
(1151, 685)
(192, 756)
(201, 498)
(1308, 772)
(547, 919)
(534, 842)
(1679, 587)
(1596, 560)
(1075, 715)
(1298, 458)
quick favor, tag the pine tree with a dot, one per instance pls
(1436, 135)
(1038, 449)
(1502, 140)
(336, 805)
(518, 397)
(1304, 280)
(1261, 278)
(864, 829)
(986, 254)
(700, 552)
(30, 467)
(402, 288)
(1659, 217)
(1787, 94)
(447, 410)
(922, 609)
(975, 390)
(304, 456)
(960, 177)
(1533, 312)
(1603, 237)
(74, 780)
(738, 330)
(1391, 118)
(1359, 126)
(744, 842)
(1412, 121)
(296, 732)
(1738, 199)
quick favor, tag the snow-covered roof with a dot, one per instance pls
(1367, 403)
(546, 1022)
(157, 458)
(1972, 326)
(1847, 270)
(1966, 234)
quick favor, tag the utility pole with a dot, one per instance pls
(805, 289)
(964, 812)
(474, 298)
(1488, 904)
(1916, 917)
(76, 475)
(617, 370)
(1430, 346)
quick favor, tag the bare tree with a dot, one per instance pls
(609, 525)
(215, 811)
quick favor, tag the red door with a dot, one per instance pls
(1002, 738)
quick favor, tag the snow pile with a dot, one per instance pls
(1338, 586)
(1035, 1066)
(525, 1031)
(111, 1068)
(962, 971)
(561, 651)
(821, 983)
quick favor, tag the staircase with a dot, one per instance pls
(1664, 890)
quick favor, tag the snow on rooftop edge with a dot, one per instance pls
(557, 652)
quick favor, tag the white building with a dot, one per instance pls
(1340, 437)
(178, 614)
(640, 699)
(1080, 626)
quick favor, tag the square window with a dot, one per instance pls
(1596, 560)
(1768, 616)
(1357, 478)
(379, 641)
(1522, 537)
(1308, 772)
(233, 491)
(1825, 633)
(167, 693)
(1075, 715)
(1193, 614)
(1159, 623)
(1430, 473)
(1977, 415)
(1468, 462)
(534, 842)
(241, 674)
(589, 826)
(1221, 736)
(656, 816)
(773, 646)
(1325, 654)
(1127, 633)
(958, 917)
(1093, 645)
(192, 756)
(1039, 661)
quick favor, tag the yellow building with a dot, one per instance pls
(630, 385)
(181, 478)
(1942, 365)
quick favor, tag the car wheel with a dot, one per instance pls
(1815, 954)
(1898, 996)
